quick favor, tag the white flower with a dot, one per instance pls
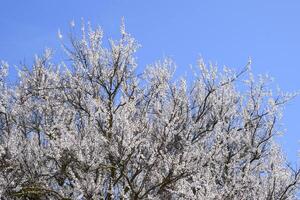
(60, 36)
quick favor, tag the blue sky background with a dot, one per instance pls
(226, 32)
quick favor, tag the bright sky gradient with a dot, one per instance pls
(226, 32)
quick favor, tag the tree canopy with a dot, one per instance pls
(93, 128)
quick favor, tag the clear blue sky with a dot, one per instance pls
(226, 32)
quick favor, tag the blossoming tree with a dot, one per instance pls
(92, 128)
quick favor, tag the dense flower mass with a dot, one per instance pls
(92, 128)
